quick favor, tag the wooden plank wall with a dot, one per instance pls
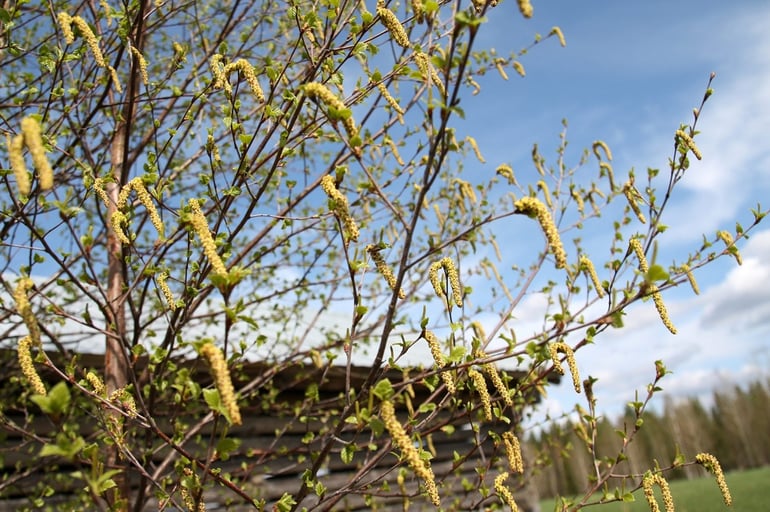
(268, 464)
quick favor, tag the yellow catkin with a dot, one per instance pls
(712, 465)
(606, 169)
(519, 68)
(218, 70)
(473, 83)
(201, 228)
(117, 220)
(439, 214)
(504, 493)
(684, 137)
(428, 73)
(657, 298)
(248, 72)
(33, 139)
(513, 452)
(96, 383)
(476, 149)
(24, 308)
(340, 207)
(556, 31)
(632, 195)
(478, 331)
(146, 200)
(691, 278)
(454, 279)
(222, 380)
(588, 267)
(180, 52)
(318, 91)
(578, 198)
(391, 22)
(394, 150)
(525, 7)
(440, 360)
(506, 171)
(554, 349)
(392, 102)
(636, 246)
(543, 186)
(107, 11)
(166, 291)
(137, 185)
(66, 22)
(727, 238)
(600, 144)
(648, 482)
(114, 77)
(419, 10)
(409, 452)
(192, 481)
(466, 189)
(500, 69)
(481, 387)
(532, 206)
(28, 367)
(122, 397)
(491, 371)
(665, 491)
(383, 268)
(213, 150)
(142, 65)
(99, 189)
(19, 168)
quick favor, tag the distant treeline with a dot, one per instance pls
(735, 427)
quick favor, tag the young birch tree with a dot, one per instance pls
(225, 181)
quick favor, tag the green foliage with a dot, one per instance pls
(306, 134)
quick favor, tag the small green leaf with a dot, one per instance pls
(215, 402)
(456, 355)
(64, 447)
(347, 453)
(383, 389)
(226, 446)
(56, 401)
(286, 503)
(656, 273)
(427, 407)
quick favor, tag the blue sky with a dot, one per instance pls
(630, 74)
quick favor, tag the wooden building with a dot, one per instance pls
(286, 425)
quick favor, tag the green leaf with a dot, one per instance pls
(226, 446)
(65, 447)
(656, 273)
(427, 407)
(285, 503)
(347, 453)
(214, 402)
(456, 355)
(383, 389)
(56, 401)
(376, 425)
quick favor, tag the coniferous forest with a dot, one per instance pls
(733, 424)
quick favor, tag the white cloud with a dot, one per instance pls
(723, 339)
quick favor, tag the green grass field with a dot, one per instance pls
(750, 491)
